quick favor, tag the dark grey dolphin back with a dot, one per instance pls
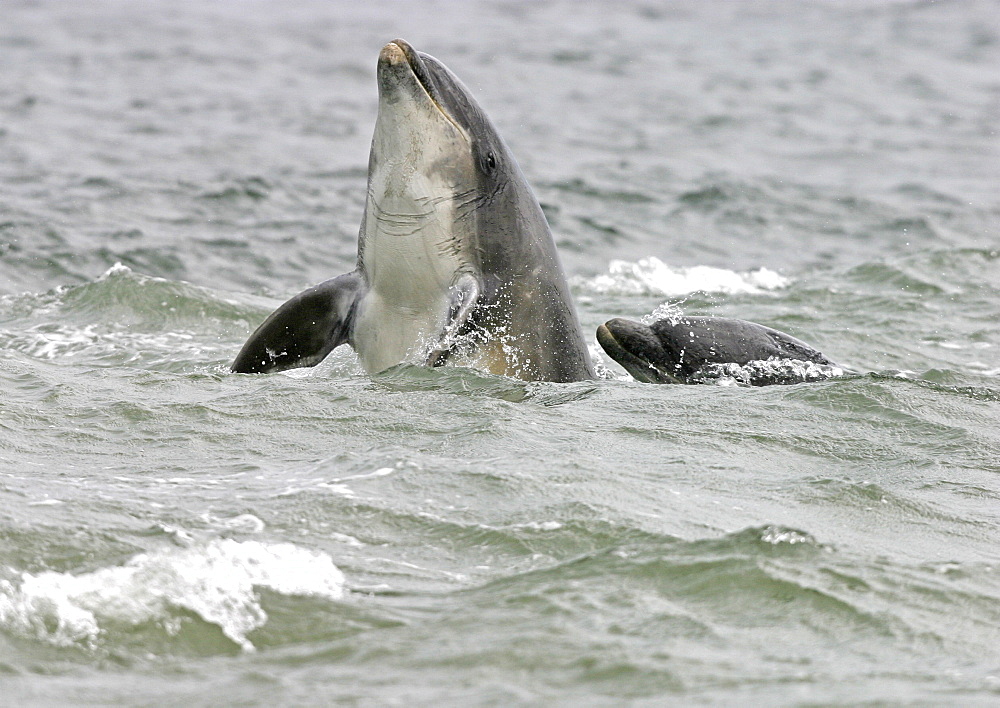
(675, 350)
(692, 342)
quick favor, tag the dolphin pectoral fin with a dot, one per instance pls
(462, 299)
(304, 330)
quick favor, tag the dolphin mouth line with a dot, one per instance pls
(420, 74)
(639, 368)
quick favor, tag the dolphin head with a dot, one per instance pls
(638, 349)
(432, 141)
(424, 104)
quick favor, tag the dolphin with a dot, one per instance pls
(456, 262)
(676, 350)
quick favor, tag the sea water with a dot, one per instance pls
(173, 534)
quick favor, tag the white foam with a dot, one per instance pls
(601, 367)
(244, 523)
(651, 276)
(776, 535)
(540, 526)
(216, 581)
(58, 342)
(117, 269)
(764, 372)
(380, 472)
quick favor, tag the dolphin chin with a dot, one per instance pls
(678, 350)
(455, 259)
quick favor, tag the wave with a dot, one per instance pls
(126, 297)
(111, 345)
(131, 297)
(217, 583)
(125, 318)
(931, 273)
(651, 276)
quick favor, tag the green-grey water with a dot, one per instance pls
(173, 534)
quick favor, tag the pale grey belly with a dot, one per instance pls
(387, 333)
(403, 314)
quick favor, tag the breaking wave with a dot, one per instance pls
(217, 582)
(651, 276)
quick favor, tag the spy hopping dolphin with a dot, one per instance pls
(455, 258)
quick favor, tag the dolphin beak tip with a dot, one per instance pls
(393, 53)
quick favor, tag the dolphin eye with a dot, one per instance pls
(491, 161)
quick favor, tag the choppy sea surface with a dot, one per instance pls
(173, 534)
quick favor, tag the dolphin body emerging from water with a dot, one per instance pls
(677, 350)
(455, 258)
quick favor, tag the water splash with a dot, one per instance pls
(217, 582)
(670, 311)
(765, 373)
(651, 276)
